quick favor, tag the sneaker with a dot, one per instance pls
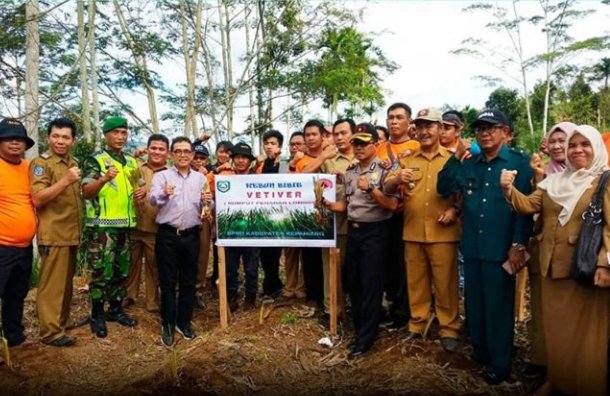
(186, 332)
(167, 335)
(63, 341)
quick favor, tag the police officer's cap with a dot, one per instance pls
(365, 133)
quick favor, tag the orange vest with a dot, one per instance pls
(17, 215)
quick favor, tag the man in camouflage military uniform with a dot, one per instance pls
(110, 180)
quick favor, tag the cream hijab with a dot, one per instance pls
(565, 188)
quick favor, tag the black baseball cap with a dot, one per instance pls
(199, 148)
(365, 132)
(492, 116)
(242, 148)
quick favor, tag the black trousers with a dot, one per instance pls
(395, 284)
(270, 261)
(364, 271)
(313, 274)
(15, 271)
(177, 262)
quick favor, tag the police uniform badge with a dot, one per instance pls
(38, 170)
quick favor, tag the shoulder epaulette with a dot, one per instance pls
(45, 156)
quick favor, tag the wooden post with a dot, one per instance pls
(333, 278)
(222, 289)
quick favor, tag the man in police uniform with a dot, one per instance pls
(56, 196)
(143, 236)
(492, 234)
(368, 209)
(108, 188)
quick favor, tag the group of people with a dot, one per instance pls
(411, 198)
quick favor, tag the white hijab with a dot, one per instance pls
(565, 188)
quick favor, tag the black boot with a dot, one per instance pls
(116, 314)
(98, 322)
(250, 302)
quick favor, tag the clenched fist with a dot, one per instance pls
(72, 175)
(507, 178)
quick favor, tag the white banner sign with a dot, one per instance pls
(275, 210)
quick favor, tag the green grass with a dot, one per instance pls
(273, 223)
(289, 318)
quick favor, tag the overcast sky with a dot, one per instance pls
(419, 37)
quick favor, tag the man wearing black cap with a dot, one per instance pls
(110, 178)
(17, 228)
(452, 129)
(368, 209)
(242, 159)
(492, 234)
(201, 164)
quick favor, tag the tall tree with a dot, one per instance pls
(32, 61)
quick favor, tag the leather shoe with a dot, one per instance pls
(167, 335)
(356, 353)
(449, 344)
(412, 336)
(186, 332)
(116, 314)
(63, 341)
(491, 377)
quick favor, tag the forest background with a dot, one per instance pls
(236, 69)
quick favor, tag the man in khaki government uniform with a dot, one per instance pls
(431, 233)
(143, 236)
(55, 187)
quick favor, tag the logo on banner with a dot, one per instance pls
(223, 186)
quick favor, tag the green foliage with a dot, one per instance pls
(289, 318)
(35, 275)
(271, 223)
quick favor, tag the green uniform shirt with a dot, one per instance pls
(490, 227)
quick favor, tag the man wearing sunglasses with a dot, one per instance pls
(492, 236)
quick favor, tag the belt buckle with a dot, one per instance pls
(179, 230)
(355, 225)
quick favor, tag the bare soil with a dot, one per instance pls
(279, 357)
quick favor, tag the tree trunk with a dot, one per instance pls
(92, 55)
(32, 58)
(140, 61)
(248, 77)
(82, 60)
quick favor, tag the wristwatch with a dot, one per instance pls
(370, 188)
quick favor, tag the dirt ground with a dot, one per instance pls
(279, 357)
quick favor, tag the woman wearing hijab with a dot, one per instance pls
(577, 318)
(555, 146)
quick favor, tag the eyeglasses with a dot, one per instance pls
(296, 144)
(490, 128)
(182, 152)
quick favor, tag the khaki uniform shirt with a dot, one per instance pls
(339, 164)
(61, 219)
(145, 212)
(423, 205)
(361, 207)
